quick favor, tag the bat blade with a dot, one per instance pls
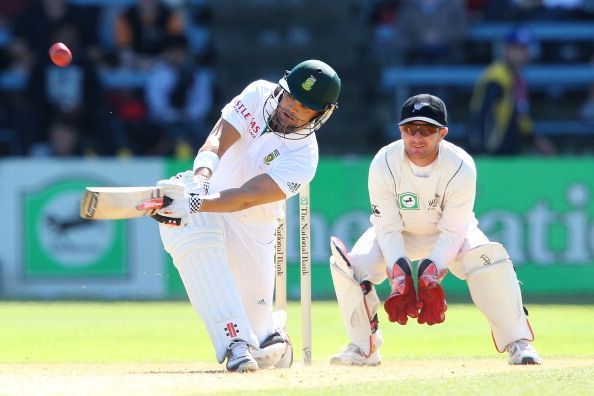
(121, 202)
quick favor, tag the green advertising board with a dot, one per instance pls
(541, 209)
(56, 245)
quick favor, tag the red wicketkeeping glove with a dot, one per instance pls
(402, 301)
(432, 303)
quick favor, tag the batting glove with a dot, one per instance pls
(402, 301)
(186, 191)
(432, 303)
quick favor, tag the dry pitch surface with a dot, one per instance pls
(202, 378)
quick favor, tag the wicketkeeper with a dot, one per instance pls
(261, 151)
(422, 191)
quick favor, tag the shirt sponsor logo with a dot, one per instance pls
(270, 157)
(433, 203)
(293, 187)
(375, 211)
(408, 201)
(486, 259)
(241, 109)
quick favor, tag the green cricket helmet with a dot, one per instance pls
(313, 83)
(316, 85)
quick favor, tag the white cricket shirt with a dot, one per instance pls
(422, 217)
(290, 163)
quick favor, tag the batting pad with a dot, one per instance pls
(357, 308)
(495, 290)
(199, 255)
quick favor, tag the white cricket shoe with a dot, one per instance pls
(522, 352)
(276, 350)
(239, 357)
(352, 355)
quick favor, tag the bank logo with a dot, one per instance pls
(408, 201)
(59, 243)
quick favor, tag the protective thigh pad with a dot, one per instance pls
(495, 290)
(200, 258)
(358, 302)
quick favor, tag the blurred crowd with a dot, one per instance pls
(142, 80)
(498, 116)
(435, 31)
(140, 83)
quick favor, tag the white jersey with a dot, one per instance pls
(422, 217)
(290, 163)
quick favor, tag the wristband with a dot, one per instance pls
(195, 203)
(206, 159)
(202, 182)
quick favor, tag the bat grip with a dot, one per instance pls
(166, 220)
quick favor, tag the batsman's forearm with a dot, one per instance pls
(259, 190)
(226, 201)
(231, 200)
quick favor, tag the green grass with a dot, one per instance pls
(88, 332)
(454, 357)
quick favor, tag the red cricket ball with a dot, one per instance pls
(60, 54)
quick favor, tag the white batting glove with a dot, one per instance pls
(186, 191)
(172, 215)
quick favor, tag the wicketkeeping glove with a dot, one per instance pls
(432, 303)
(402, 301)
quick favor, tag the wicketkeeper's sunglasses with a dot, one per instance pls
(424, 129)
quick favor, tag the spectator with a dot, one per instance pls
(476, 10)
(73, 91)
(383, 19)
(499, 119)
(36, 24)
(140, 30)
(63, 140)
(587, 108)
(179, 95)
(432, 31)
(10, 9)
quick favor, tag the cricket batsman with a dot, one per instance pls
(261, 151)
(422, 190)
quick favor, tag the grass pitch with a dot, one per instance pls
(161, 348)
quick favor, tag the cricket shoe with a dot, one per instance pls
(239, 357)
(352, 355)
(522, 352)
(276, 350)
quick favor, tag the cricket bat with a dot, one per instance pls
(122, 202)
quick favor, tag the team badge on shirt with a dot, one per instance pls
(270, 157)
(408, 201)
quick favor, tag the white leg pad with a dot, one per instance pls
(495, 290)
(200, 258)
(358, 309)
